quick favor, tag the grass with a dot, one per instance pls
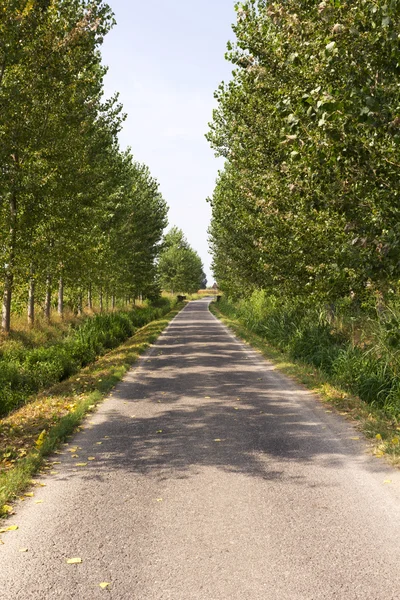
(27, 369)
(382, 430)
(32, 432)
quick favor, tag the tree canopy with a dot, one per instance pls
(309, 125)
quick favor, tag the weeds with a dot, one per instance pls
(358, 352)
(25, 371)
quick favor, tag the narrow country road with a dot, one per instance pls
(214, 478)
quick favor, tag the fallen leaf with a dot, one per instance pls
(217, 440)
(29, 494)
(23, 549)
(53, 472)
(75, 456)
(378, 436)
(207, 397)
(74, 561)
(99, 443)
(80, 464)
(387, 481)
(104, 585)
(10, 528)
(91, 458)
(1, 543)
(38, 501)
(8, 509)
(159, 499)
(354, 438)
(159, 431)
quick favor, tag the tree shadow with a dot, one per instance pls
(209, 402)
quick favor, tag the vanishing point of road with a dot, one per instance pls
(212, 477)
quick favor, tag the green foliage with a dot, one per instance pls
(22, 373)
(308, 202)
(308, 332)
(180, 268)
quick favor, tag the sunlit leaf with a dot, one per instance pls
(74, 561)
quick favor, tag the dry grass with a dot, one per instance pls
(42, 333)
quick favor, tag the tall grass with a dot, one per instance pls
(356, 349)
(25, 370)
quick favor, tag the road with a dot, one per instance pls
(212, 477)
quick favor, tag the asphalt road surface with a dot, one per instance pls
(214, 478)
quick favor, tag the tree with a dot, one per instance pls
(180, 267)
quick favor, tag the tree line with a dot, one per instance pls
(309, 126)
(79, 218)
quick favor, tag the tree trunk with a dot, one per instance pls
(60, 307)
(47, 300)
(113, 301)
(6, 317)
(101, 299)
(80, 303)
(9, 267)
(89, 297)
(31, 300)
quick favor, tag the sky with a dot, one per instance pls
(166, 59)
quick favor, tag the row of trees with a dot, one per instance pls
(78, 217)
(308, 202)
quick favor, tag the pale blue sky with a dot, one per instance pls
(166, 59)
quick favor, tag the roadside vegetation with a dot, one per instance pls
(379, 422)
(37, 428)
(305, 215)
(25, 370)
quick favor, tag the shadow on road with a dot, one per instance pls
(201, 400)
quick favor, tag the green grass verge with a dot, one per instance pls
(382, 432)
(34, 431)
